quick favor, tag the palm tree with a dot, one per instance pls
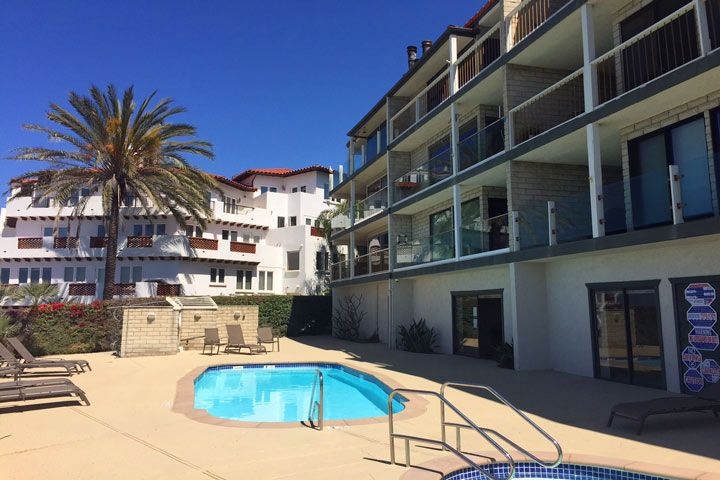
(122, 151)
(6, 291)
(37, 292)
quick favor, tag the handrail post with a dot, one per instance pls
(676, 195)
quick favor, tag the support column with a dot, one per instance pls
(589, 54)
(351, 254)
(703, 28)
(453, 65)
(352, 203)
(457, 203)
(457, 220)
(595, 179)
(530, 326)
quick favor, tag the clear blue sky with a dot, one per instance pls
(269, 83)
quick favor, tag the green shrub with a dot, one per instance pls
(418, 338)
(288, 315)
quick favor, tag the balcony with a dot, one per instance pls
(485, 235)
(433, 248)
(139, 241)
(340, 221)
(203, 243)
(242, 247)
(317, 232)
(528, 16)
(65, 242)
(373, 262)
(661, 48)
(482, 145)
(340, 270)
(425, 102)
(168, 290)
(431, 172)
(98, 242)
(479, 56)
(29, 243)
(83, 289)
(371, 205)
(124, 289)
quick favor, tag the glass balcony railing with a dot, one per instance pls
(532, 227)
(340, 270)
(340, 221)
(373, 262)
(573, 218)
(433, 248)
(485, 235)
(435, 170)
(372, 205)
(483, 144)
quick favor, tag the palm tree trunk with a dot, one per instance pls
(111, 249)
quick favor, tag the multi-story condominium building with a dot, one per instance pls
(546, 176)
(263, 239)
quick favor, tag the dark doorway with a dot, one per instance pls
(477, 323)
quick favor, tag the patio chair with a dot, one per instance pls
(211, 339)
(40, 389)
(265, 335)
(17, 381)
(30, 359)
(708, 401)
(11, 361)
(236, 341)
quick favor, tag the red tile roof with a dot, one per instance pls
(279, 172)
(470, 23)
(232, 183)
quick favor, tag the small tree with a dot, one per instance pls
(348, 318)
(37, 292)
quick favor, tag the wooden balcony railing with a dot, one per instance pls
(139, 242)
(125, 289)
(168, 289)
(65, 242)
(317, 232)
(98, 242)
(83, 289)
(203, 243)
(33, 242)
(242, 247)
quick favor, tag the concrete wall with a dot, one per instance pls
(142, 336)
(375, 304)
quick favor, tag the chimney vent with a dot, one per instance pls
(426, 44)
(412, 56)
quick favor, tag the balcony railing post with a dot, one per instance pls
(417, 109)
(597, 208)
(703, 28)
(676, 195)
(453, 64)
(515, 222)
(552, 224)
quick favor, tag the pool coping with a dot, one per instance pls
(440, 467)
(185, 401)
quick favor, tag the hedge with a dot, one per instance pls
(289, 315)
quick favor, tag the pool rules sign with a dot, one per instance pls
(697, 335)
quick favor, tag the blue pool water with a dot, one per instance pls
(564, 471)
(281, 393)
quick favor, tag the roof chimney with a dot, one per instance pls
(426, 44)
(412, 56)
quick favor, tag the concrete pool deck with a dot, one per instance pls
(130, 430)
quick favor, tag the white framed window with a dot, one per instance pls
(294, 190)
(265, 281)
(225, 234)
(75, 274)
(4, 276)
(217, 275)
(293, 260)
(130, 274)
(308, 221)
(193, 231)
(243, 280)
(293, 221)
(303, 188)
(256, 239)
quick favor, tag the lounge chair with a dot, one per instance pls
(39, 389)
(211, 339)
(11, 361)
(265, 335)
(707, 401)
(236, 341)
(17, 382)
(30, 359)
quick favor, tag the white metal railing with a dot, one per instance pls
(620, 69)
(528, 16)
(553, 106)
(472, 61)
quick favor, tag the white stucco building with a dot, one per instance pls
(263, 239)
(547, 176)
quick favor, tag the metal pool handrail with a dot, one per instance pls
(442, 443)
(487, 388)
(314, 403)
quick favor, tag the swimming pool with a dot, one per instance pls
(281, 392)
(564, 471)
